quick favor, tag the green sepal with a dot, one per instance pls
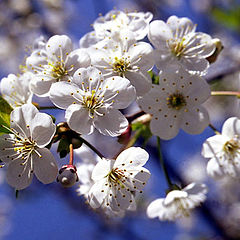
(63, 148)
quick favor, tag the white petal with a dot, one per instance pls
(165, 61)
(112, 123)
(196, 88)
(180, 26)
(231, 127)
(89, 40)
(196, 188)
(144, 52)
(195, 120)
(59, 45)
(78, 58)
(142, 82)
(153, 101)
(87, 78)
(214, 169)
(213, 145)
(98, 193)
(102, 169)
(123, 198)
(132, 157)
(155, 207)
(78, 119)
(45, 167)
(42, 129)
(40, 85)
(165, 124)
(202, 46)
(159, 33)
(140, 178)
(61, 94)
(17, 177)
(195, 64)
(6, 148)
(122, 88)
(173, 195)
(37, 57)
(100, 58)
(21, 118)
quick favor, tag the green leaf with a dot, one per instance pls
(5, 110)
(229, 18)
(143, 129)
(154, 77)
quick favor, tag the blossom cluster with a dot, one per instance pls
(109, 71)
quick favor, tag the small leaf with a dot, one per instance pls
(5, 110)
(143, 130)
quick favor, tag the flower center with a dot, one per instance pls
(178, 47)
(24, 146)
(120, 66)
(92, 103)
(231, 146)
(116, 175)
(176, 101)
(59, 71)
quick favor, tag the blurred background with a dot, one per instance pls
(51, 212)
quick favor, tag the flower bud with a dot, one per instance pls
(67, 175)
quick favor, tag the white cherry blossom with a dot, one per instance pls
(118, 181)
(23, 150)
(176, 103)
(224, 150)
(122, 56)
(84, 171)
(178, 45)
(177, 203)
(55, 61)
(15, 89)
(93, 102)
(117, 21)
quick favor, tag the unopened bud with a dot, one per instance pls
(67, 176)
(219, 48)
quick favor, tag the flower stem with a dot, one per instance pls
(91, 146)
(225, 93)
(163, 165)
(214, 129)
(71, 154)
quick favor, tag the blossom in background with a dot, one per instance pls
(85, 168)
(177, 203)
(122, 56)
(55, 62)
(93, 102)
(15, 89)
(178, 45)
(224, 150)
(23, 150)
(176, 103)
(116, 182)
(117, 21)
